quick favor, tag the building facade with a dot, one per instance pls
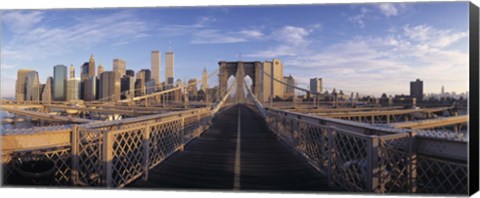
(416, 89)
(90, 89)
(316, 85)
(169, 65)
(155, 67)
(20, 84)
(59, 77)
(72, 89)
(119, 66)
(32, 87)
(204, 86)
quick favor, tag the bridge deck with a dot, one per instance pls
(209, 162)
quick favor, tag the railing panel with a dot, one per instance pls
(441, 176)
(165, 138)
(350, 161)
(127, 158)
(89, 157)
(396, 161)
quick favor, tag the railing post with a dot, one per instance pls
(412, 162)
(182, 133)
(75, 155)
(146, 152)
(331, 156)
(372, 165)
(108, 157)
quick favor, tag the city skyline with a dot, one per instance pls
(359, 43)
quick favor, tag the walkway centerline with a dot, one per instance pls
(236, 183)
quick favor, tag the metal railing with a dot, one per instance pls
(367, 158)
(111, 153)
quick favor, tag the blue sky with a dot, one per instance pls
(367, 48)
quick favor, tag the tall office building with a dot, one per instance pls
(32, 87)
(204, 86)
(72, 71)
(316, 85)
(416, 89)
(147, 75)
(20, 84)
(90, 88)
(59, 77)
(140, 84)
(119, 66)
(150, 86)
(278, 88)
(130, 72)
(108, 86)
(127, 87)
(192, 89)
(47, 90)
(85, 71)
(169, 65)
(72, 89)
(443, 92)
(91, 66)
(156, 67)
(100, 70)
(289, 91)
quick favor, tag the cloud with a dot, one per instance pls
(203, 32)
(389, 61)
(358, 20)
(391, 9)
(42, 40)
(433, 37)
(18, 21)
(214, 36)
(291, 41)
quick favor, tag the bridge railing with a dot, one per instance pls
(364, 158)
(112, 153)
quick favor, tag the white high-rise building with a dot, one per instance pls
(156, 67)
(169, 64)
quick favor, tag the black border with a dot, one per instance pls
(474, 100)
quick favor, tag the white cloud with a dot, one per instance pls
(390, 9)
(373, 65)
(41, 40)
(291, 39)
(214, 36)
(432, 37)
(18, 21)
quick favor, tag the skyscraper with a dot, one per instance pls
(47, 90)
(73, 89)
(204, 86)
(119, 66)
(416, 90)
(130, 72)
(100, 70)
(108, 90)
(91, 66)
(20, 85)
(90, 88)
(278, 88)
(127, 87)
(32, 87)
(147, 74)
(72, 71)
(316, 85)
(156, 67)
(140, 84)
(59, 77)
(85, 71)
(169, 64)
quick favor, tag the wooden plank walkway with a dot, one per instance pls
(212, 161)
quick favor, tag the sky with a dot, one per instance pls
(369, 48)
